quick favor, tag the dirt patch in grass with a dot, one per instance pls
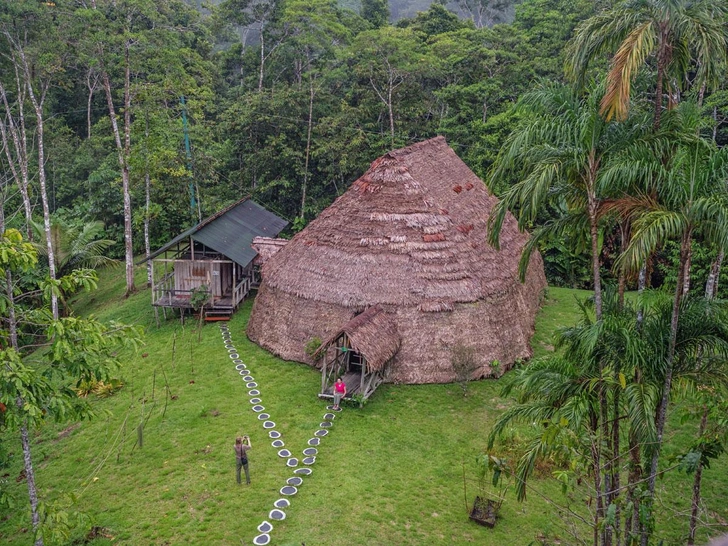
(66, 432)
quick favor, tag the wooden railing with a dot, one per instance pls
(164, 287)
(241, 290)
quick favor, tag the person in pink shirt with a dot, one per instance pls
(339, 392)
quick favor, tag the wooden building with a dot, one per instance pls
(212, 261)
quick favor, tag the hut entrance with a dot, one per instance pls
(359, 354)
(356, 361)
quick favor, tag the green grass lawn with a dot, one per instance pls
(389, 473)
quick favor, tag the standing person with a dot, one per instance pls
(339, 392)
(241, 447)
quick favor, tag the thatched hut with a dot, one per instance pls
(398, 267)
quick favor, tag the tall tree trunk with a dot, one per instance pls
(661, 416)
(595, 258)
(18, 135)
(390, 110)
(91, 85)
(24, 437)
(624, 231)
(632, 520)
(686, 275)
(308, 148)
(615, 469)
(641, 285)
(30, 477)
(37, 102)
(147, 202)
(711, 285)
(697, 482)
(128, 247)
(124, 174)
(262, 60)
(597, 470)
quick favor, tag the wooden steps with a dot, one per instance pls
(214, 315)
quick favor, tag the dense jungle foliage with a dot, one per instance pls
(600, 125)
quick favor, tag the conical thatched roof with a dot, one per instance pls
(410, 234)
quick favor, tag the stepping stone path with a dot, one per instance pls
(310, 453)
(277, 514)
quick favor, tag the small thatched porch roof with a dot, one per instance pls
(371, 333)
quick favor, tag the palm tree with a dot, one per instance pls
(564, 394)
(76, 245)
(561, 392)
(558, 153)
(685, 39)
(689, 198)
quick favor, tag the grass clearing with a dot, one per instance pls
(389, 473)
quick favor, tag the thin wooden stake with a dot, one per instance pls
(465, 491)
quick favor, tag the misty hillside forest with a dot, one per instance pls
(599, 126)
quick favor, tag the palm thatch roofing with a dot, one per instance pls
(371, 333)
(410, 236)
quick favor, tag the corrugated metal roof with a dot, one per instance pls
(230, 232)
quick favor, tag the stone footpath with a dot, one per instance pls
(278, 513)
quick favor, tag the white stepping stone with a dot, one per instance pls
(309, 460)
(265, 527)
(282, 503)
(251, 384)
(254, 392)
(325, 424)
(263, 417)
(231, 349)
(238, 361)
(255, 400)
(240, 366)
(277, 443)
(284, 453)
(274, 434)
(303, 471)
(248, 378)
(310, 451)
(295, 481)
(277, 514)
(314, 442)
(234, 355)
(258, 408)
(321, 433)
(329, 416)
(288, 490)
(262, 540)
(269, 424)
(243, 372)
(292, 462)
